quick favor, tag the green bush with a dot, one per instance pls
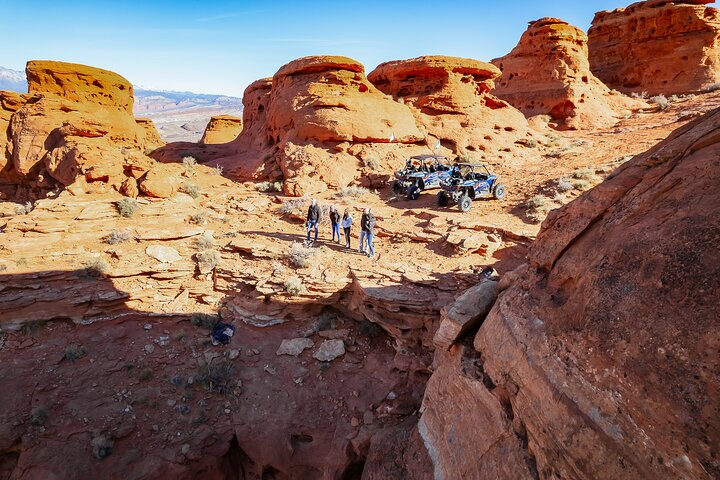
(205, 320)
(216, 376)
(74, 351)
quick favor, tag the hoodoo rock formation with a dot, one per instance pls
(450, 98)
(76, 122)
(657, 46)
(548, 73)
(600, 360)
(222, 129)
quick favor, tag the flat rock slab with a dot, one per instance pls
(294, 346)
(163, 254)
(330, 350)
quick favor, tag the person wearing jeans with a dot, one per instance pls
(367, 229)
(335, 223)
(313, 219)
(346, 224)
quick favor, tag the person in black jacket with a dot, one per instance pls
(335, 223)
(313, 219)
(367, 231)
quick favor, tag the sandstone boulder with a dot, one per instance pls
(548, 73)
(598, 361)
(657, 46)
(161, 181)
(450, 97)
(222, 129)
(75, 123)
(152, 138)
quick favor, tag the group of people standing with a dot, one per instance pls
(367, 227)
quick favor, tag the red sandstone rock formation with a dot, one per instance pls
(657, 46)
(450, 97)
(152, 136)
(548, 73)
(222, 129)
(600, 360)
(76, 122)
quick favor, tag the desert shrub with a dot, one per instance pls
(189, 164)
(204, 242)
(538, 201)
(191, 189)
(371, 162)
(74, 351)
(95, 267)
(146, 374)
(38, 415)
(205, 320)
(710, 88)
(532, 143)
(24, 209)
(117, 236)
(267, 187)
(370, 329)
(353, 191)
(126, 207)
(300, 256)
(581, 184)
(583, 173)
(639, 95)
(564, 185)
(216, 376)
(661, 101)
(211, 258)
(218, 170)
(33, 326)
(102, 446)
(294, 286)
(199, 218)
(289, 206)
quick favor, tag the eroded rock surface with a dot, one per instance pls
(607, 337)
(657, 46)
(548, 73)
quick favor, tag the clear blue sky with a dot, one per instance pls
(222, 46)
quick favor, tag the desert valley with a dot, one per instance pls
(568, 329)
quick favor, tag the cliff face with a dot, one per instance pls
(548, 73)
(598, 361)
(222, 129)
(657, 46)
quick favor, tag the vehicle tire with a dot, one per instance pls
(499, 191)
(443, 199)
(396, 188)
(465, 203)
(413, 192)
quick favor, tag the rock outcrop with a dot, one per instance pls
(152, 138)
(657, 46)
(76, 122)
(599, 360)
(222, 129)
(450, 98)
(548, 73)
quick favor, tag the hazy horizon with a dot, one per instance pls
(220, 47)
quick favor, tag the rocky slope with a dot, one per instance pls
(598, 360)
(657, 46)
(222, 129)
(548, 73)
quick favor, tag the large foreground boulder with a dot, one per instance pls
(601, 361)
(657, 46)
(548, 73)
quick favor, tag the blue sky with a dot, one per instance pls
(222, 46)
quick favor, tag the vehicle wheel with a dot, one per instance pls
(443, 199)
(465, 203)
(396, 187)
(413, 192)
(499, 191)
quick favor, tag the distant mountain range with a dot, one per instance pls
(179, 116)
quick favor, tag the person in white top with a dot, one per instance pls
(346, 224)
